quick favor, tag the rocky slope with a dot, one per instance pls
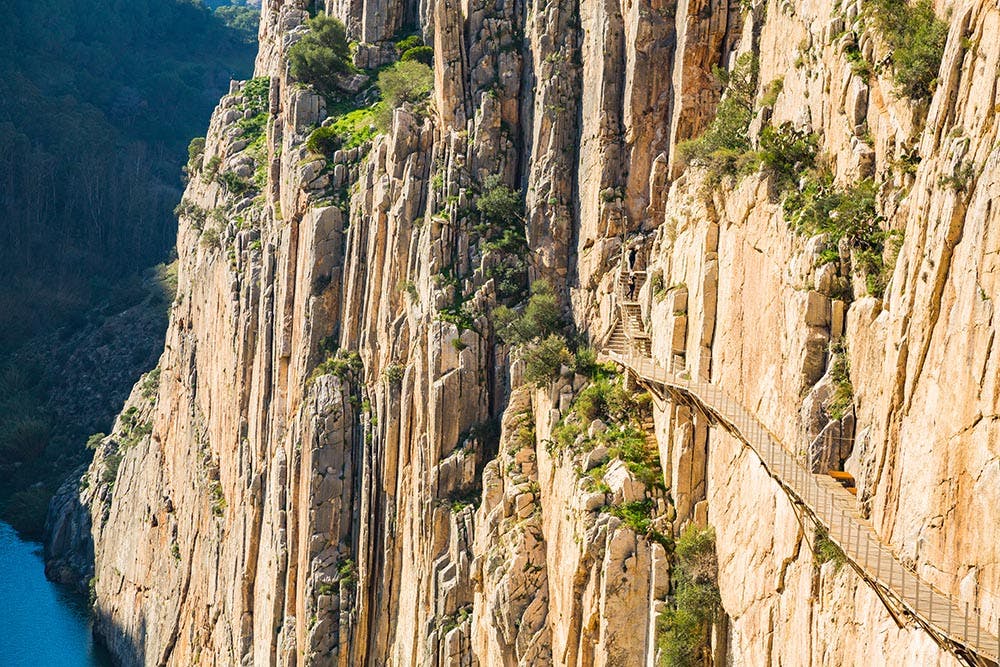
(342, 463)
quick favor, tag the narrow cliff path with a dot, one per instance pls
(819, 497)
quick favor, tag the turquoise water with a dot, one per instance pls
(41, 624)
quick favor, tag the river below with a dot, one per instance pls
(42, 624)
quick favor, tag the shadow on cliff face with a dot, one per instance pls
(69, 560)
(123, 650)
(69, 546)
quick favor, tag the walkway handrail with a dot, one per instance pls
(834, 509)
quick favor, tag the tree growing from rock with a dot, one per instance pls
(322, 57)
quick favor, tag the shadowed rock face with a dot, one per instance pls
(270, 508)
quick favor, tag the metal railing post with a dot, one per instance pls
(978, 632)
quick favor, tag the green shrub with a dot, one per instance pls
(346, 572)
(196, 154)
(916, 38)
(343, 364)
(217, 498)
(421, 54)
(322, 57)
(728, 136)
(95, 440)
(211, 168)
(959, 179)
(193, 212)
(859, 65)
(606, 399)
(637, 514)
(498, 203)
(850, 214)
(234, 184)
(394, 373)
(878, 263)
(111, 464)
(773, 91)
(150, 384)
(826, 550)
(544, 360)
(324, 141)
(844, 213)
(409, 81)
(359, 126)
(683, 630)
(585, 361)
(541, 318)
(504, 243)
(255, 94)
(253, 128)
(840, 372)
(786, 153)
(409, 42)
(210, 238)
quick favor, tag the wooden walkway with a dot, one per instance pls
(953, 625)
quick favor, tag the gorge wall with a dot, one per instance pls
(339, 461)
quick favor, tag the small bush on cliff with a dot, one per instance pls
(196, 155)
(544, 360)
(111, 464)
(846, 214)
(504, 243)
(499, 204)
(840, 372)
(785, 152)
(324, 141)
(409, 42)
(256, 93)
(359, 126)
(322, 57)
(541, 317)
(727, 139)
(683, 630)
(637, 514)
(606, 399)
(344, 364)
(916, 38)
(826, 550)
(409, 81)
(421, 54)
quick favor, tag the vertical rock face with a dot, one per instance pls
(336, 467)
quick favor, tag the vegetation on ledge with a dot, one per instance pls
(915, 38)
(684, 629)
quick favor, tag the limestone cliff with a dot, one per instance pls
(341, 462)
